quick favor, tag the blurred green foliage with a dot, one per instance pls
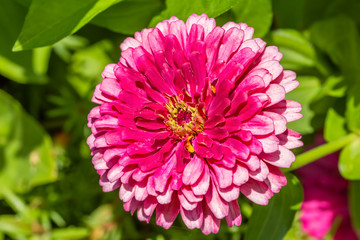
(48, 187)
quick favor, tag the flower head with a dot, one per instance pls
(192, 116)
(325, 199)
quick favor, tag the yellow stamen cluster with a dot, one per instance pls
(183, 120)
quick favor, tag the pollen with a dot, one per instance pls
(183, 120)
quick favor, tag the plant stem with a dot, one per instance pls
(321, 151)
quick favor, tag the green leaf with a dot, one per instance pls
(354, 198)
(334, 126)
(14, 227)
(129, 16)
(86, 67)
(183, 9)
(70, 233)
(304, 94)
(339, 38)
(48, 21)
(255, 13)
(274, 220)
(353, 109)
(24, 67)
(26, 157)
(298, 52)
(288, 14)
(16, 203)
(334, 86)
(350, 8)
(349, 162)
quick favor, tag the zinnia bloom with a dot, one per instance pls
(192, 115)
(325, 199)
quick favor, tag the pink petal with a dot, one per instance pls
(128, 171)
(218, 206)
(189, 194)
(178, 28)
(241, 175)
(109, 71)
(131, 205)
(270, 143)
(142, 216)
(111, 87)
(289, 109)
(99, 162)
(217, 133)
(249, 31)
(214, 121)
(150, 204)
(202, 185)
(276, 93)
(282, 158)
(127, 192)
(166, 214)
(203, 151)
(127, 58)
(290, 139)
(254, 104)
(185, 203)
(253, 162)
(108, 186)
(271, 53)
(166, 196)
(115, 152)
(276, 179)
(233, 124)
(230, 43)
(287, 80)
(129, 43)
(140, 191)
(115, 172)
(238, 148)
(162, 175)
(193, 218)
(258, 192)
(156, 41)
(193, 170)
(279, 121)
(273, 67)
(255, 146)
(211, 224)
(212, 42)
(208, 23)
(259, 125)
(234, 216)
(223, 175)
(229, 193)
(229, 158)
(198, 65)
(261, 173)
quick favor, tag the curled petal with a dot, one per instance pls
(218, 206)
(234, 217)
(193, 218)
(258, 192)
(166, 214)
(193, 170)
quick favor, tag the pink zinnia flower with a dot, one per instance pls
(325, 199)
(192, 115)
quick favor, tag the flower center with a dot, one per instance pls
(183, 120)
(183, 117)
